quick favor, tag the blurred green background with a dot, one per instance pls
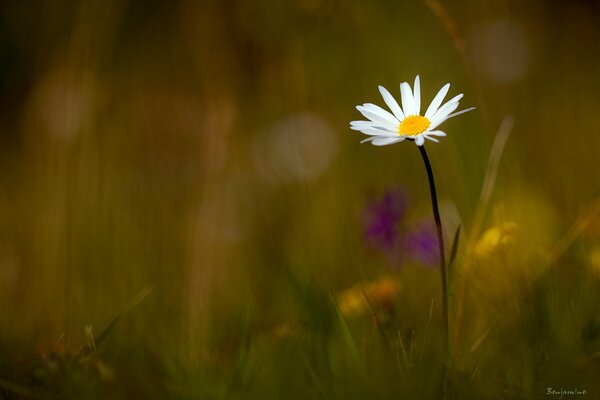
(201, 149)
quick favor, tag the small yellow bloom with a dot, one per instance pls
(594, 261)
(495, 238)
(380, 293)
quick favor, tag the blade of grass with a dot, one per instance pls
(487, 189)
(315, 378)
(403, 350)
(376, 320)
(427, 331)
(240, 370)
(454, 249)
(489, 182)
(347, 335)
(575, 231)
(480, 339)
(452, 261)
(137, 299)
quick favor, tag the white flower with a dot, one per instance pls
(407, 122)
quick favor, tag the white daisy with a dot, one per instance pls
(406, 122)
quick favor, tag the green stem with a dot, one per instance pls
(438, 225)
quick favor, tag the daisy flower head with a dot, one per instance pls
(406, 122)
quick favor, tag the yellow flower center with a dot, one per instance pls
(413, 125)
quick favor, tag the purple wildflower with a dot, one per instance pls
(420, 244)
(388, 233)
(382, 219)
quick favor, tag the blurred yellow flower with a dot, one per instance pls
(495, 238)
(594, 261)
(406, 122)
(381, 293)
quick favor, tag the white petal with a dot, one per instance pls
(420, 140)
(417, 96)
(442, 114)
(361, 123)
(358, 125)
(378, 118)
(446, 115)
(431, 138)
(436, 133)
(391, 103)
(437, 100)
(381, 112)
(443, 109)
(460, 112)
(407, 99)
(456, 98)
(386, 141)
(377, 132)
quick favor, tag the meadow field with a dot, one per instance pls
(185, 212)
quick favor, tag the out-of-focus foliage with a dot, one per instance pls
(202, 148)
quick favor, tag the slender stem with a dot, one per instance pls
(438, 225)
